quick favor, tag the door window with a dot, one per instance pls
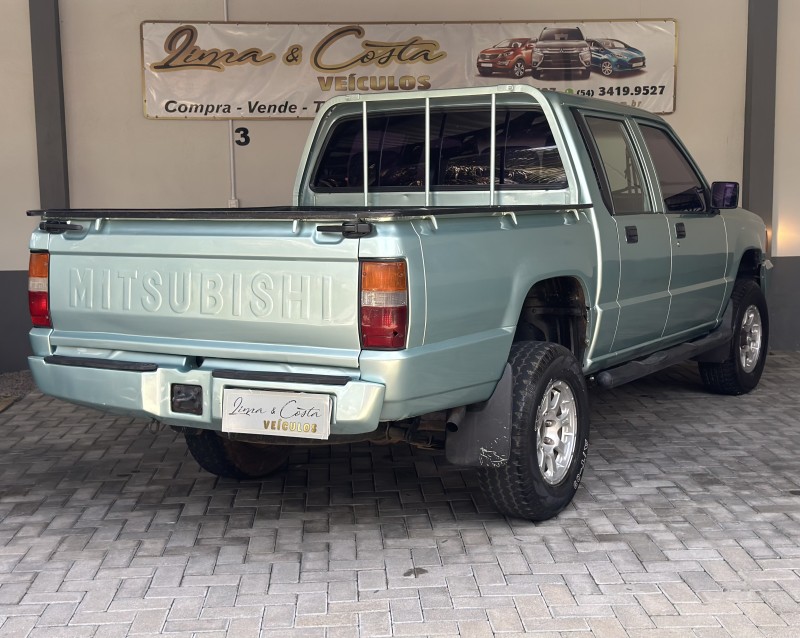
(681, 186)
(620, 164)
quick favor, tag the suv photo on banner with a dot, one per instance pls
(225, 70)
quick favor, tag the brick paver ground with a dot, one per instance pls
(687, 523)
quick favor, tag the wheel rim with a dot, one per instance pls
(556, 426)
(519, 69)
(750, 339)
(607, 68)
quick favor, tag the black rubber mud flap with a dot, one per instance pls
(483, 438)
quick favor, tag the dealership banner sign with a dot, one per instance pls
(254, 70)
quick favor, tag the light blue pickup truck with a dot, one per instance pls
(456, 267)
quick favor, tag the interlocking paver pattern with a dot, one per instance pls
(687, 523)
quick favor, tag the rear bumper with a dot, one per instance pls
(387, 386)
(357, 404)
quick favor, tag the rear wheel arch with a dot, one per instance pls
(555, 310)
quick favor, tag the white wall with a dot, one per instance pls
(119, 158)
(19, 177)
(786, 211)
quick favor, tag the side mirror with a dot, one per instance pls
(725, 195)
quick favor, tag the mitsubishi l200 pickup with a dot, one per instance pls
(455, 268)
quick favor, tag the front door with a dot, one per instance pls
(699, 245)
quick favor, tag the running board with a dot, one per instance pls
(614, 377)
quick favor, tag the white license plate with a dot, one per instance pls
(637, 64)
(294, 414)
(486, 64)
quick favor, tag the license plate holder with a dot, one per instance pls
(299, 415)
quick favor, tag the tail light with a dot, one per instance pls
(38, 290)
(384, 305)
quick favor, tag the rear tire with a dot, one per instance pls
(227, 458)
(741, 371)
(549, 434)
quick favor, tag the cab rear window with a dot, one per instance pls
(526, 155)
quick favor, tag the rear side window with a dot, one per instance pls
(620, 164)
(681, 186)
(526, 155)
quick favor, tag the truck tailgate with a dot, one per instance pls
(265, 290)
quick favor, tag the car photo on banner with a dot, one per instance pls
(511, 57)
(610, 56)
(561, 50)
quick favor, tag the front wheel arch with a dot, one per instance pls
(740, 371)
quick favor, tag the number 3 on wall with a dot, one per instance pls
(244, 136)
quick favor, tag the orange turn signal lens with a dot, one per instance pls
(384, 276)
(39, 265)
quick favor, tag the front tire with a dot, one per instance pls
(549, 434)
(518, 70)
(485, 72)
(741, 371)
(228, 458)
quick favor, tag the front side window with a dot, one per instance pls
(681, 186)
(526, 155)
(620, 164)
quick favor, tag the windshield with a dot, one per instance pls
(510, 44)
(613, 44)
(561, 34)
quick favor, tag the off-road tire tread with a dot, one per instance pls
(507, 487)
(206, 447)
(723, 378)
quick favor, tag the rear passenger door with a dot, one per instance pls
(697, 233)
(643, 233)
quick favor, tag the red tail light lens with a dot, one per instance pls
(38, 290)
(384, 305)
